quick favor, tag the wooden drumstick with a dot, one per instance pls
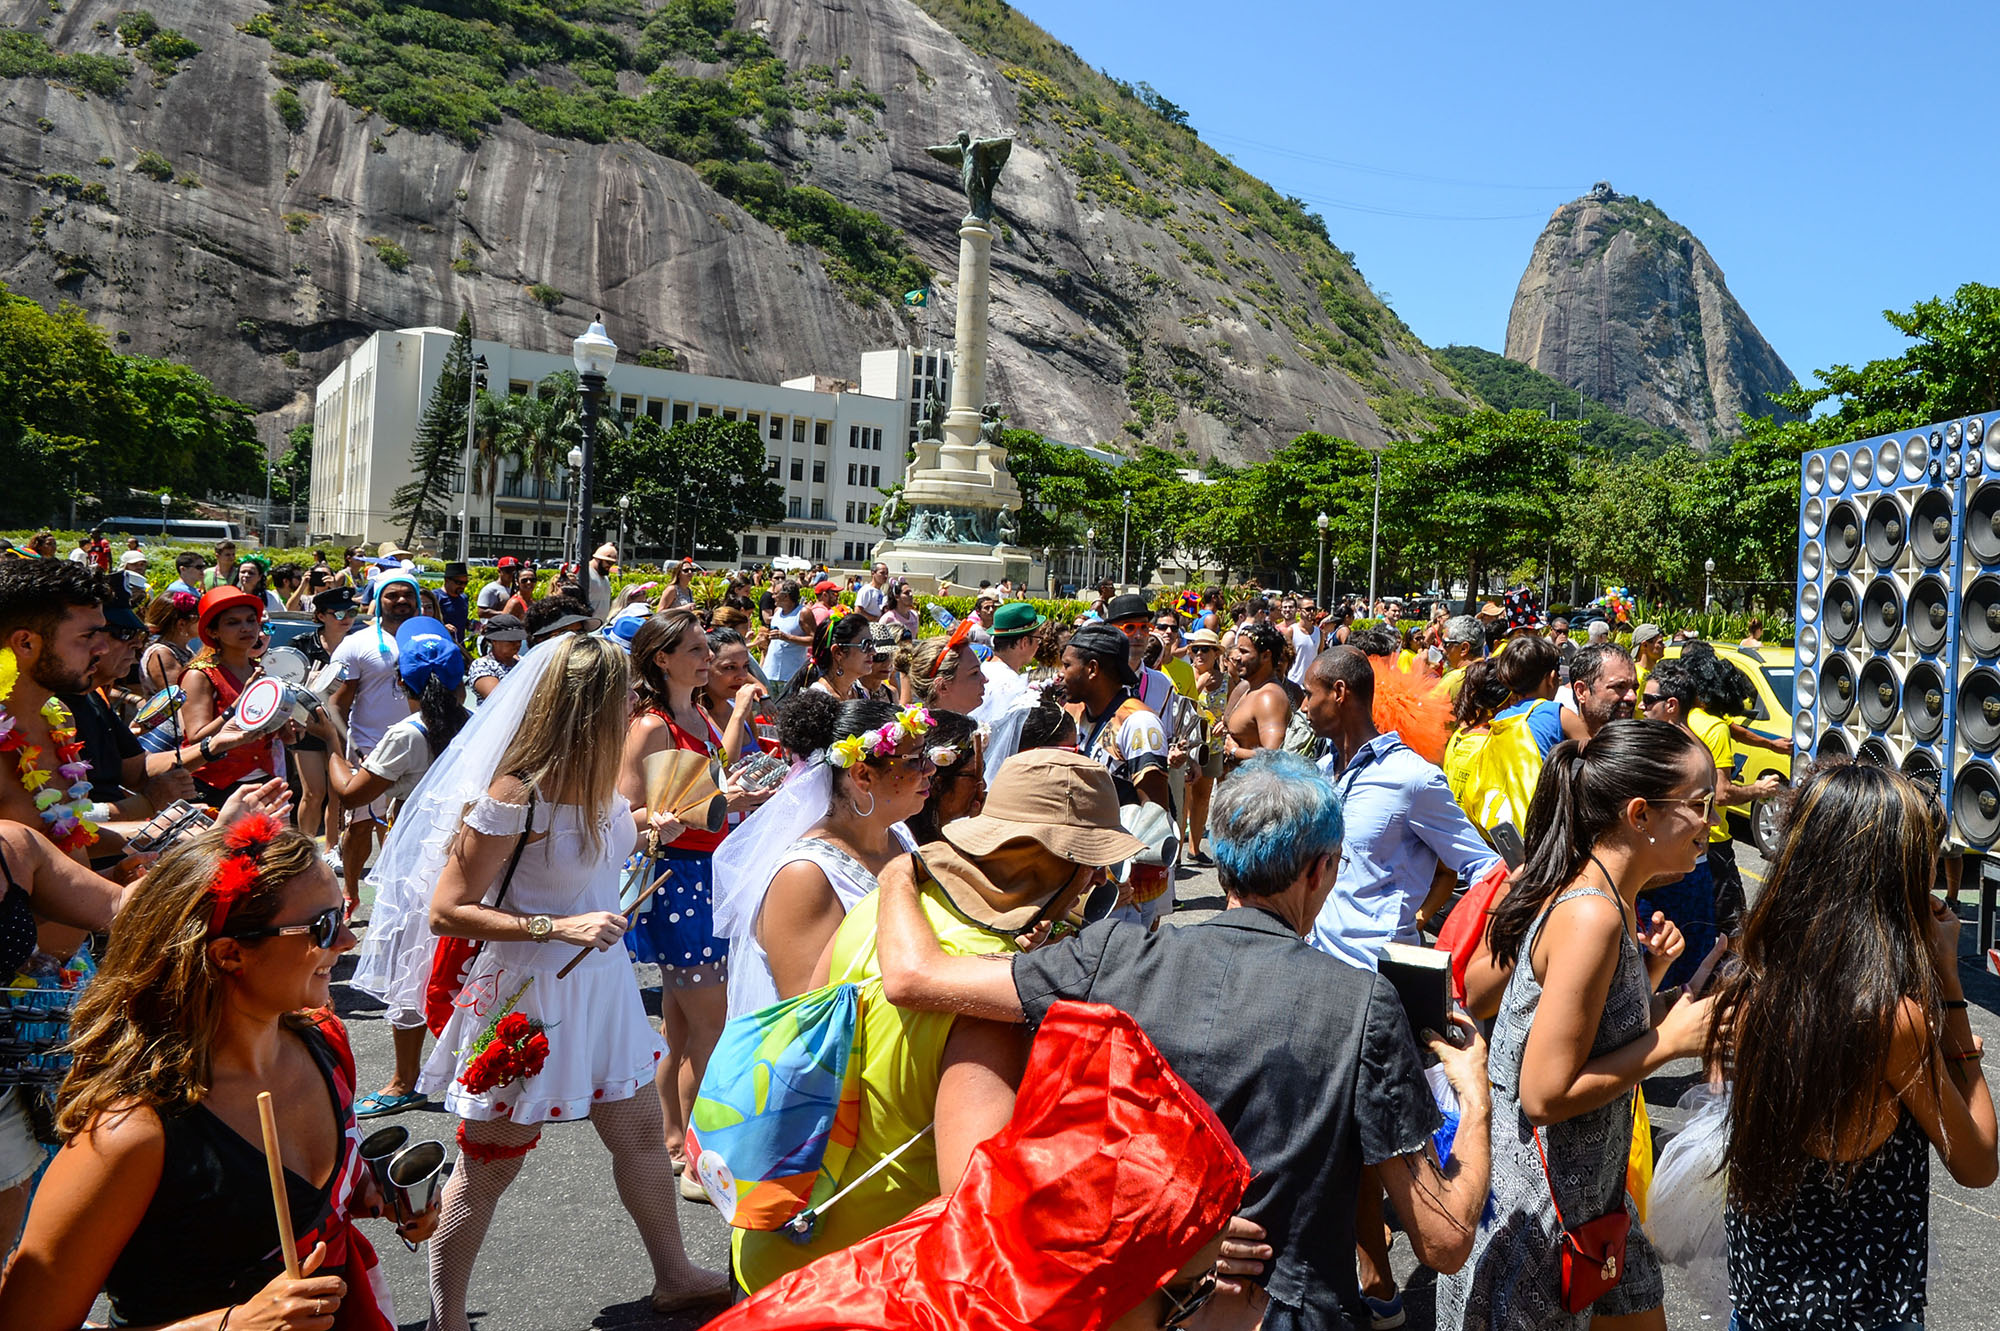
(577, 960)
(280, 1198)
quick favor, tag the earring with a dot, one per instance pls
(860, 812)
(1652, 841)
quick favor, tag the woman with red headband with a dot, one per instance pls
(215, 988)
(231, 623)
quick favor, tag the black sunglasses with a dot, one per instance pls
(323, 928)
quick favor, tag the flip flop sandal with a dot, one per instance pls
(376, 1103)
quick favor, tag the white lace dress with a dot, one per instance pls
(601, 1046)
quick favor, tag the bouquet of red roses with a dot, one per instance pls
(513, 1046)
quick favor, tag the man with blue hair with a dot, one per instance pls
(1308, 1061)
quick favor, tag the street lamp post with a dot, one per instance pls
(1708, 584)
(595, 353)
(1090, 555)
(165, 500)
(1125, 544)
(570, 524)
(292, 489)
(268, 470)
(1319, 569)
(624, 507)
(1374, 534)
(1048, 573)
(1333, 583)
(471, 419)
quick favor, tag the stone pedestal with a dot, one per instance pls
(955, 516)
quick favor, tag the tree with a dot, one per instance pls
(705, 477)
(1477, 492)
(435, 454)
(1063, 489)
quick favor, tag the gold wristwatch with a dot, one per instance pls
(540, 927)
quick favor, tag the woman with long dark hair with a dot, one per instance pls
(670, 666)
(1845, 1031)
(1579, 1027)
(841, 653)
(732, 694)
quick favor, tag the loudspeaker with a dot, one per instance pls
(1898, 640)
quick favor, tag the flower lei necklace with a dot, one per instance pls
(69, 824)
(882, 741)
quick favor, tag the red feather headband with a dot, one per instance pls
(236, 875)
(961, 634)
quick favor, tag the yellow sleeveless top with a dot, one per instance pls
(902, 1055)
(1504, 771)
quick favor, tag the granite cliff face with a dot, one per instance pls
(1144, 290)
(1625, 305)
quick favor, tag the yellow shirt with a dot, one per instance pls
(1713, 731)
(1182, 674)
(1461, 752)
(1453, 681)
(902, 1056)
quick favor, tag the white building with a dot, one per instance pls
(909, 373)
(833, 452)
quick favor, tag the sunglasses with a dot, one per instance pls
(123, 635)
(1706, 803)
(323, 929)
(917, 762)
(1650, 699)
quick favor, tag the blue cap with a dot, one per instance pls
(386, 562)
(626, 626)
(424, 650)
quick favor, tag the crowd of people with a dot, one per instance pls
(926, 873)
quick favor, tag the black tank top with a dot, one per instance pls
(208, 1239)
(17, 926)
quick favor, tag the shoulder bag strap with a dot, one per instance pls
(514, 860)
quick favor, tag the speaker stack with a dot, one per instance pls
(1899, 612)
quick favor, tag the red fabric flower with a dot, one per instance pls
(533, 1054)
(252, 833)
(234, 879)
(494, 1066)
(511, 1029)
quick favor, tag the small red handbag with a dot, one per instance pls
(1593, 1254)
(452, 958)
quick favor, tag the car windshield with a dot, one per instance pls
(1780, 680)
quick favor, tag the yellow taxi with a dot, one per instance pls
(1770, 670)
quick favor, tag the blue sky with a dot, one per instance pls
(1837, 159)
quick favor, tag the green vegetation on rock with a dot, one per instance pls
(24, 55)
(1511, 386)
(556, 67)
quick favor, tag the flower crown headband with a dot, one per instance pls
(236, 875)
(880, 742)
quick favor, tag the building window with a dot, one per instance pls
(875, 477)
(756, 419)
(705, 412)
(771, 468)
(729, 413)
(518, 387)
(931, 366)
(510, 526)
(798, 429)
(545, 529)
(850, 510)
(777, 427)
(819, 508)
(820, 432)
(793, 508)
(916, 415)
(798, 469)
(819, 472)
(680, 413)
(851, 469)
(819, 550)
(656, 410)
(628, 407)
(878, 441)
(798, 547)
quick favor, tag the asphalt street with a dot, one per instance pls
(562, 1254)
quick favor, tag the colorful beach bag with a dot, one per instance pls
(779, 1108)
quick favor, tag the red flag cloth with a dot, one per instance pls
(1111, 1175)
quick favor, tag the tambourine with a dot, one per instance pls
(264, 706)
(167, 702)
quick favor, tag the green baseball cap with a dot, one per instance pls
(1014, 618)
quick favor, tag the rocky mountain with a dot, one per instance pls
(252, 187)
(1623, 303)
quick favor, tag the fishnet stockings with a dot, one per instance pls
(630, 1130)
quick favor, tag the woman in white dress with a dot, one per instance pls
(795, 868)
(550, 805)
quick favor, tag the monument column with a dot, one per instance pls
(968, 375)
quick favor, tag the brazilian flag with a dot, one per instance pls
(917, 298)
